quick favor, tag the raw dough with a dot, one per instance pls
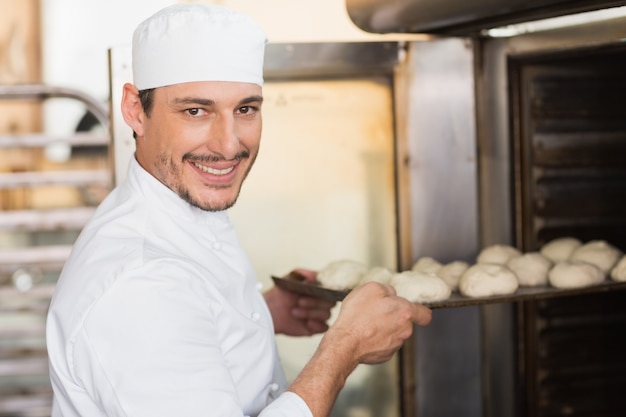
(497, 254)
(560, 249)
(426, 264)
(531, 269)
(484, 280)
(344, 274)
(599, 253)
(451, 273)
(618, 273)
(378, 274)
(574, 274)
(420, 286)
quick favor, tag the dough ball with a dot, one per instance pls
(531, 269)
(574, 274)
(378, 274)
(343, 274)
(497, 254)
(618, 273)
(420, 287)
(451, 273)
(484, 280)
(560, 249)
(426, 264)
(599, 253)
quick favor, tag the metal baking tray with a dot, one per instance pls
(296, 283)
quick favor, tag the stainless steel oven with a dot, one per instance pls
(550, 105)
(537, 120)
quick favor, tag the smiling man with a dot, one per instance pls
(217, 127)
(157, 312)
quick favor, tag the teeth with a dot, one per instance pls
(209, 170)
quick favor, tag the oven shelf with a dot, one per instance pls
(293, 283)
(36, 300)
(42, 257)
(38, 140)
(46, 220)
(39, 178)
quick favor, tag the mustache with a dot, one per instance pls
(215, 158)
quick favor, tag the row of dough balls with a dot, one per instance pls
(499, 270)
(415, 285)
(561, 263)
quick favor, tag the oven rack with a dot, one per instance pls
(36, 240)
(72, 218)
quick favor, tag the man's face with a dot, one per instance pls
(201, 139)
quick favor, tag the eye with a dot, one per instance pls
(247, 110)
(196, 111)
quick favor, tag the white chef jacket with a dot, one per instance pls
(157, 313)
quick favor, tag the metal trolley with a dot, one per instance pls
(36, 240)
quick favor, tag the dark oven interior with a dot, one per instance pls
(568, 123)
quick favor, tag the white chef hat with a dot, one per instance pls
(197, 42)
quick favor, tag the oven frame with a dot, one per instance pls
(495, 130)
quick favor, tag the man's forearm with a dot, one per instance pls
(324, 375)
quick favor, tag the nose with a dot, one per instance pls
(223, 139)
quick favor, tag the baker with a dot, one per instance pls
(157, 312)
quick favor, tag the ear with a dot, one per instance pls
(132, 111)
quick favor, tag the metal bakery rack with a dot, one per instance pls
(38, 225)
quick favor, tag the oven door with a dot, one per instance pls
(464, 140)
(552, 134)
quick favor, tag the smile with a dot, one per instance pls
(214, 171)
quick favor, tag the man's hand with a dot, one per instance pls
(298, 315)
(372, 325)
(376, 322)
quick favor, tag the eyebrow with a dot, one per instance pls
(252, 99)
(209, 102)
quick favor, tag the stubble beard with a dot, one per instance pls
(175, 173)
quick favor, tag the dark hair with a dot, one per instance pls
(146, 99)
